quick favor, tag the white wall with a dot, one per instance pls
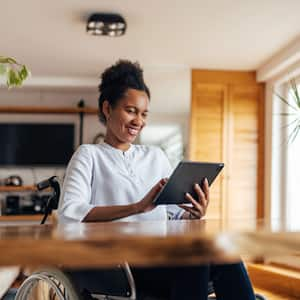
(170, 102)
(51, 98)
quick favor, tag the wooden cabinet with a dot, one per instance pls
(227, 126)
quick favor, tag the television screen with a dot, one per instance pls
(36, 144)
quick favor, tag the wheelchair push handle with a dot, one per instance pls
(50, 182)
(52, 202)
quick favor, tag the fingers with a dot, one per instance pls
(157, 187)
(163, 181)
(202, 193)
(196, 214)
(200, 205)
(146, 204)
(196, 205)
(206, 189)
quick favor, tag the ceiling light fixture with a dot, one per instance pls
(106, 24)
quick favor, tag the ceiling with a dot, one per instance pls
(49, 36)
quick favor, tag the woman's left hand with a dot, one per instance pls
(198, 210)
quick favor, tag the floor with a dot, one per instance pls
(268, 295)
(271, 296)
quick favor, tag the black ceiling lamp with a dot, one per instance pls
(106, 24)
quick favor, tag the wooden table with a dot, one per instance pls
(149, 243)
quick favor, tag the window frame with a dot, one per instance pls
(277, 206)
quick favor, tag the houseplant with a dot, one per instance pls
(14, 72)
(292, 100)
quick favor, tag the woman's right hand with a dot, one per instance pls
(146, 204)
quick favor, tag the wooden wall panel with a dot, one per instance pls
(243, 145)
(207, 134)
(227, 125)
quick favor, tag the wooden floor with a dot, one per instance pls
(272, 296)
(269, 295)
(276, 283)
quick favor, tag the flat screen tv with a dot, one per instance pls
(36, 144)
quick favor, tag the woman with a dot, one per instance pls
(117, 180)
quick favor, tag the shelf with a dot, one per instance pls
(52, 110)
(37, 217)
(18, 188)
(47, 110)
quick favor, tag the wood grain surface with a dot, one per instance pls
(144, 244)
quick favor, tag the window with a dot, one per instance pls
(168, 137)
(285, 201)
(286, 163)
(292, 165)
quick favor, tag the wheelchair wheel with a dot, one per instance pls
(47, 284)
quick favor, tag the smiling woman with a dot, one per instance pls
(118, 181)
(127, 119)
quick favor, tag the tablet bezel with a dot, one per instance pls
(183, 178)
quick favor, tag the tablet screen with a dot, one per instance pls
(183, 178)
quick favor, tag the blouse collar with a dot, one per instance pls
(116, 150)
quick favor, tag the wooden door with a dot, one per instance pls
(226, 126)
(242, 143)
(207, 126)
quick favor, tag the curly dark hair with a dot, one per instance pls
(116, 80)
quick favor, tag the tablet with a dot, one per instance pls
(183, 178)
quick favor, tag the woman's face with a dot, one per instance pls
(126, 120)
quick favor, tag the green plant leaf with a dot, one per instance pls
(287, 114)
(294, 133)
(290, 124)
(4, 60)
(2, 69)
(295, 92)
(15, 72)
(285, 101)
(12, 61)
(10, 77)
(295, 106)
(13, 78)
(23, 73)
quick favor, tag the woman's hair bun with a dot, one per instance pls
(122, 73)
(117, 79)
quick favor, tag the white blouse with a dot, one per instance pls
(101, 175)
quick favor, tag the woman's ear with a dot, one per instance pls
(106, 109)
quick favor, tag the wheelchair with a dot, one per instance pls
(105, 284)
(87, 284)
(55, 284)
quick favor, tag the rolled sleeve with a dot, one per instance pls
(74, 202)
